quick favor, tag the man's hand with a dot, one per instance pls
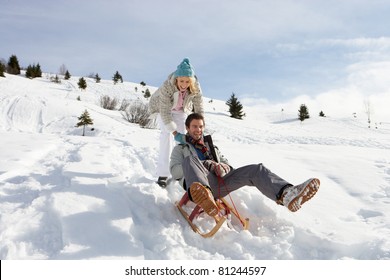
(210, 165)
(219, 169)
(222, 169)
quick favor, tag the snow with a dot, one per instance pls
(68, 197)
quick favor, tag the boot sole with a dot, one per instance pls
(162, 183)
(306, 194)
(204, 198)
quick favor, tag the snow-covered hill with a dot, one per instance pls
(64, 196)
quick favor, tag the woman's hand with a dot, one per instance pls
(179, 137)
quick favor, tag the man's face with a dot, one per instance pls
(196, 129)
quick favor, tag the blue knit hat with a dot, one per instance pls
(185, 69)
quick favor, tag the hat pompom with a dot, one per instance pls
(185, 69)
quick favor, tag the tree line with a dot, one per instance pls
(34, 71)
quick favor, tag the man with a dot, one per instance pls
(199, 166)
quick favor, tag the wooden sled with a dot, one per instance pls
(225, 212)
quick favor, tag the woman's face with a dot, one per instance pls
(183, 83)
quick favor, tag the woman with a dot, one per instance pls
(179, 96)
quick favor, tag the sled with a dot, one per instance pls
(225, 212)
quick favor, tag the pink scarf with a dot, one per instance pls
(180, 101)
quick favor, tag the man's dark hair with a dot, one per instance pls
(193, 116)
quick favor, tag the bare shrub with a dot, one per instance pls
(62, 70)
(55, 79)
(108, 102)
(124, 104)
(138, 112)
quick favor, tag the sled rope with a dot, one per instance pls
(221, 182)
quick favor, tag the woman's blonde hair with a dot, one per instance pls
(192, 86)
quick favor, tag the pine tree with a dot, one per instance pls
(117, 77)
(33, 71)
(2, 69)
(303, 113)
(147, 93)
(97, 78)
(29, 72)
(82, 83)
(84, 120)
(67, 75)
(38, 71)
(13, 65)
(235, 107)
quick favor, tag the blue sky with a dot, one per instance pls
(273, 50)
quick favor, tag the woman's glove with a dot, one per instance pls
(181, 138)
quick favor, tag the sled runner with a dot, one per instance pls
(225, 211)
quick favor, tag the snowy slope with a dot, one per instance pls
(64, 196)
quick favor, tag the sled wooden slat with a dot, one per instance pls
(225, 210)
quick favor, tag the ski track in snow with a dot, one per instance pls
(94, 197)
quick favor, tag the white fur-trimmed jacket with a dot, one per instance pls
(166, 97)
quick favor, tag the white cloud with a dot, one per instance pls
(274, 49)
